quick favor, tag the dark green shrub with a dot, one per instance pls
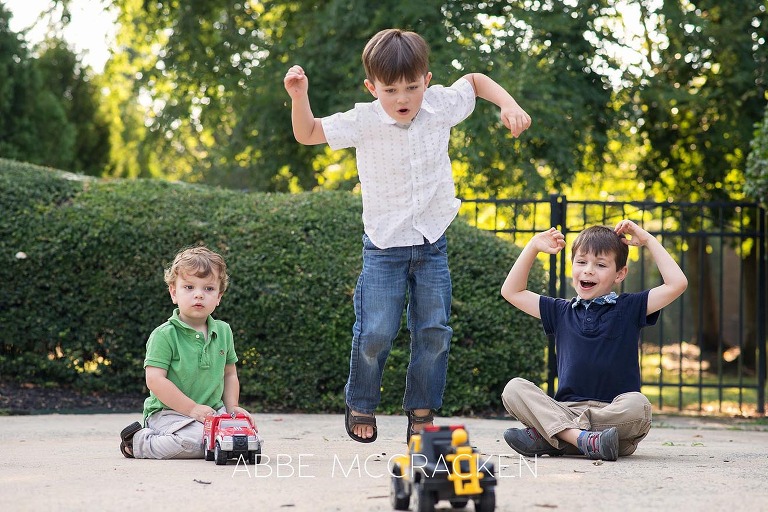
(78, 309)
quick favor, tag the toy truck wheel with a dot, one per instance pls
(459, 503)
(220, 456)
(208, 453)
(398, 495)
(254, 457)
(486, 502)
(423, 501)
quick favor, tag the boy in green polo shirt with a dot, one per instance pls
(189, 366)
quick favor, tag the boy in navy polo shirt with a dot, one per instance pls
(598, 407)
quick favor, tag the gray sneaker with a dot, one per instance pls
(600, 445)
(528, 442)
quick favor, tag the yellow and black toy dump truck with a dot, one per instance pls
(442, 465)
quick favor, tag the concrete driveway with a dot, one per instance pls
(72, 462)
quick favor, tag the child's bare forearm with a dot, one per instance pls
(672, 275)
(487, 89)
(517, 278)
(306, 127)
(674, 281)
(670, 271)
(231, 388)
(304, 122)
(168, 393)
(515, 287)
(512, 115)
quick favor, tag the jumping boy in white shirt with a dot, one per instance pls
(409, 200)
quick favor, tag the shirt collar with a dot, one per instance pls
(384, 118)
(178, 322)
(609, 298)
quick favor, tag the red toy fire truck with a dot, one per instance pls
(230, 436)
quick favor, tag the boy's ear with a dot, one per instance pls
(371, 87)
(622, 274)
(172, 291)
(427, 78)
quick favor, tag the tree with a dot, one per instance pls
(69, 82)
(694, 110)
(704, 91)
(33, 124)
(217, 111)
(756, 182)
(48, 107)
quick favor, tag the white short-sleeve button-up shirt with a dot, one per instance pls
(405, 172)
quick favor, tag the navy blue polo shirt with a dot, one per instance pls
(596, 347)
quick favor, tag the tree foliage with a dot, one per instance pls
(194, 89)
(49, 108)
(218, 111)
(756, 183)
(703, 93)
(703, 89)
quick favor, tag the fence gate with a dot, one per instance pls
(707, 353)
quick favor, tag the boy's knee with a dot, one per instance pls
(374, 345)
(516, 386)
(636, 406)
(635, 400)
(627, 447)
(636, 421)
(189, 449)
(513, 393)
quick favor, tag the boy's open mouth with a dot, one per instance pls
(587, 284)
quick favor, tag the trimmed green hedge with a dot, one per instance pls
(81, 267)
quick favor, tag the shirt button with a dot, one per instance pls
(589, 319)
(197, 336)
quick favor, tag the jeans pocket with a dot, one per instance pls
(440, 246)
(368, 245)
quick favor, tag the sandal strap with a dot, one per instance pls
(427, 418)
(356, 419)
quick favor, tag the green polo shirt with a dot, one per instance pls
(194, 364)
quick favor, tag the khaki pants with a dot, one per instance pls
(630, 413)
(170, 435)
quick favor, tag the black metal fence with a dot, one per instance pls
(707, 353)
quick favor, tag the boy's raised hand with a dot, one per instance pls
(296, 82)
(516, 119)
(639, 235)
(550, 241)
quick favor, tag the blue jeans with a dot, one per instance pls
(422, 272)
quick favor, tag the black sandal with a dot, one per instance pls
(417, 420)
(127, 439)
(353, 420)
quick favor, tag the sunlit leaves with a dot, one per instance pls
(697, 108)
(756, 185)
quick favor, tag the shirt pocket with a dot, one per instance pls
(608, 324)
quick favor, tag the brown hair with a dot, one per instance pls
(199, 262)
(393, 54)
(601, 240)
